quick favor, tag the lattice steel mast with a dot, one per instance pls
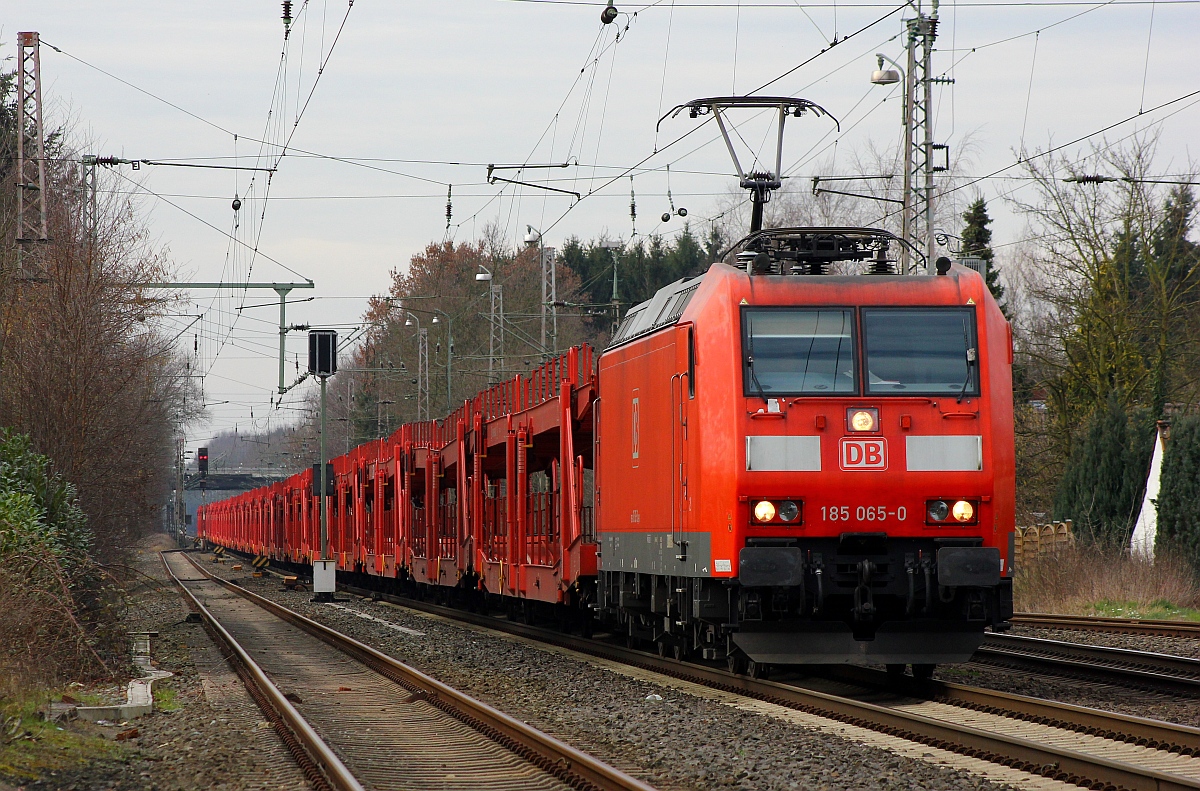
(31, 148)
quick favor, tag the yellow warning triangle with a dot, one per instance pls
(743, 302)
(970, 300)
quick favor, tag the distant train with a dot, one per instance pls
(801, 457)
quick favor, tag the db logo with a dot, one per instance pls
(864, 454)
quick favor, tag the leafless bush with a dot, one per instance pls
(57, 624)
(1076, 579)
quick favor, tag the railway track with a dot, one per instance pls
(1073, 744)
(1115, 625)
(1145, 669)
(357, 720)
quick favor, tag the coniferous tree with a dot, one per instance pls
(1105, 478)
(977, 242)
(1179, 496)
(643, 267)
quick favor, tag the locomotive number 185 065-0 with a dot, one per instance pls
(862, 513)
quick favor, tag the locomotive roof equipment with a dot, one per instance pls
(814, 251)
(760, 182)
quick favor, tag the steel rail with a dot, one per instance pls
(1157, 734)
(1027, 755)
(334, 771)
(546, 752)
(1092, 623)
(1160, 671)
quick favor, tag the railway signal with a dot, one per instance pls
(322, 363)
(202, 462)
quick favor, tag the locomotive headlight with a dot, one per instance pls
(862, 419)
(764, 511)
(938, 510)
(788, 511)
(963, 511)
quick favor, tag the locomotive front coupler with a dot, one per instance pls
(864, 600)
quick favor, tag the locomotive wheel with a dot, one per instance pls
(757, 669)
(661, 647)
(923, 672)
(678, 652)
(736, 662)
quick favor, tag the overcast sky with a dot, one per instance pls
(418, 96)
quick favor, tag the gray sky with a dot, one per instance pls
(412, 88)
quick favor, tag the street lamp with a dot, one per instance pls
(496, 329)
(882, 76)
(422, 361)
(449, 349)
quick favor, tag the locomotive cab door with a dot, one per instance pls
(683, 391)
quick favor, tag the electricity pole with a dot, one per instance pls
(31, 150)
(615, 303)
(282, 289)
(917, 220)
(546, 255)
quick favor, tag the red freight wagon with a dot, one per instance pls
(488, 500)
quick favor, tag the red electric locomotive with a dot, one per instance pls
(808, 458)
(804, 457)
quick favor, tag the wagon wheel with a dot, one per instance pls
(923, 672)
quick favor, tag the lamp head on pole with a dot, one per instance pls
(408, 322)
(882, 76)
(436, 320)
(483, 276)
(531, 238)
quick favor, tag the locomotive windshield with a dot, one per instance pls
(788, 352)
(920, 351)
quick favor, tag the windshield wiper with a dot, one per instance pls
(972, 354)
(750, 361)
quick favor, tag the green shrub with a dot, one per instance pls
(38, 509)
(1179, 493)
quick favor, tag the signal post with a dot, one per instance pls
(322, 363)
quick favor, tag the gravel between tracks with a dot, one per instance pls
(678, 742)
(1110, 697)
(1179, 646)
(216, 739)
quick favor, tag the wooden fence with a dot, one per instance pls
(1030, 543)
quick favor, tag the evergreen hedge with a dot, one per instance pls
(1105, 479)
(1179, 493)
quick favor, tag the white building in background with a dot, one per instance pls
(1146, 528)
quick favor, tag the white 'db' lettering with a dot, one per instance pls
(864, 454)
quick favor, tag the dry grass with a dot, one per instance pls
(1090, 580)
